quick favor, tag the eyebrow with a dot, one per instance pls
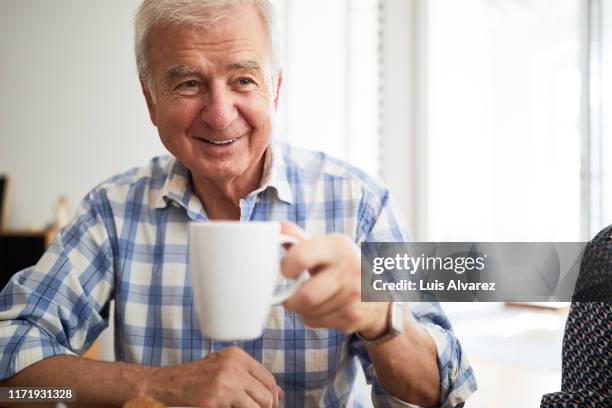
(181, 70)
(244, 65)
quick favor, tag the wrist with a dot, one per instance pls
(160, 384)
(379, 322)
(144, 380)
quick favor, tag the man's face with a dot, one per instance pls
(215, 102)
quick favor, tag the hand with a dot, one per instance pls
(228, 378)
(332, 297)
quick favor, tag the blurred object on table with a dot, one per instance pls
(142, 401)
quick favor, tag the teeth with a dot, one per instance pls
(217, 142)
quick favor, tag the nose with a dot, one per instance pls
(219, 110)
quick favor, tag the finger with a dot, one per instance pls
(256, 371)
(343, 319)
(315, 292)
(290, 228)
(335, 311)
(337, 302)
(260, 394)
(244, 399)
(263, 376)
(316, 252)
(253, 367)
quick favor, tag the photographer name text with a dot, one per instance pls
(413, 264)
(457, 285)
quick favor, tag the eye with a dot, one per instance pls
(245, 81)
(190, 86)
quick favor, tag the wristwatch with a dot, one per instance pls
(395, 326)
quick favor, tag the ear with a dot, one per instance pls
(279, 82)
(150, 102)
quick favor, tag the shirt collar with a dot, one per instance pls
(177, 186)
(275, 173)
(178, 192)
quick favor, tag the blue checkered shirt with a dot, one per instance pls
(128, 243)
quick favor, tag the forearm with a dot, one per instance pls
(407, 366)
(95, 383)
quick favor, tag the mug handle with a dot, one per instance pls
(284, 294)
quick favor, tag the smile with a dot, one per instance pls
(220, 142)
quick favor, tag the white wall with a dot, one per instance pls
(71, 110)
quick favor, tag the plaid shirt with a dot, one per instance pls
(128, 243)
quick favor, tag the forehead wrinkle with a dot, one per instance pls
(235, 45)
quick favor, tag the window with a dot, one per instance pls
(600, 146)
(484, 121)
(330, 97)
(504, 132)
(504, 120)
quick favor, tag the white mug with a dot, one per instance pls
(234, 269)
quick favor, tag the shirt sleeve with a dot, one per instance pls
(381, 222)
(60, 305)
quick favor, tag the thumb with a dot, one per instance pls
(292, 229)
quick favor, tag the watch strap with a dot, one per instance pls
(391, 332)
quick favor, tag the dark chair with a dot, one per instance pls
(587, 343)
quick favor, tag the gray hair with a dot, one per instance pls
(204, 13)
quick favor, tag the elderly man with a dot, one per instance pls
(210, 75)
